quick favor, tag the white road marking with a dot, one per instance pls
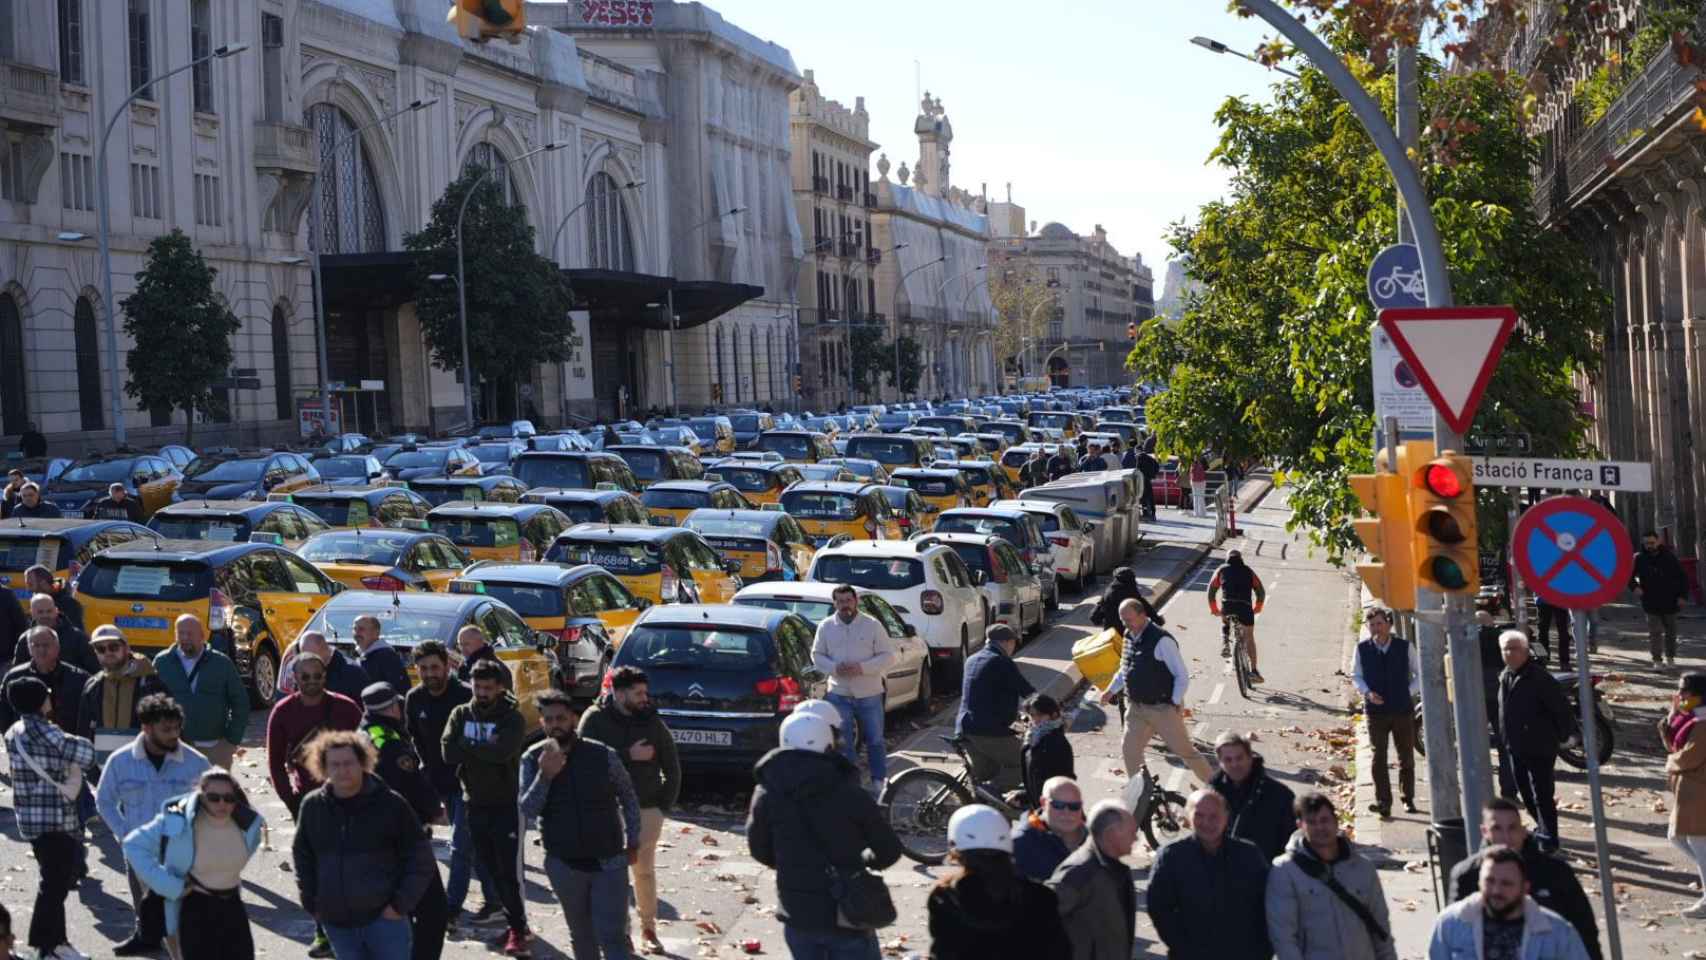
(1214, 697)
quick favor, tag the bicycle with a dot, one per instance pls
(1239, 654)
(1409, 283)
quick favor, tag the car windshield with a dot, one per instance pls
(477, 531)
(145, 580)
(439, 494)
(107, 471)
(374, 548)
(222, 529)
(224, 471)
(343, 512)
(883, 450)
(1007, 529)
(616, 556)
(567, 472)
(821, 505)
(930, 486)
(745, 422)
(814, 610)
(418, 458)
(797, 448)
(871, 573)
(492, 452)
(580, 511)
(529, 600)
(23, 552)
(730, 527)
(342, 467)
(645, 464)
(704, 426)
(400, 626)
(675, 499)
(975, 555)
(717, 650)
(746, 481)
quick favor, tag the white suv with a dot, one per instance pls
(1072, 546)
(1012, 591)
(927, 584)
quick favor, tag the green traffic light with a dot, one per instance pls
(1448, 574)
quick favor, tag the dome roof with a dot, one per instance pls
(1056, 231)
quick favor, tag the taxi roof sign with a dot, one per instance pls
(274, 539)
(466, 586)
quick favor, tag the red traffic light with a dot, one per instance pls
(1442, 481)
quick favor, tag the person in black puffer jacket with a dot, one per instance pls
(1046, 753)
(809, 814)
(985, 908)
(1122, 586)
(1261, 808)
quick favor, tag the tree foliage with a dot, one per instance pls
(181, 330)
(873, 358)
(1023, 303)
(518, 301)
(1270, 358)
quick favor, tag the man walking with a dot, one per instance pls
(1047, 835)
(109, 710)
(625, 721)
(1092, 886)
(1388, 676)
(1059, 464)
(118, 504)
(854, 651)
(398, 766)
(590, 818)
(73, 643)
(63, 681)
(135, 783)
(1150, 468)
(1324, 900)
(1155, 678)
(297, 719)
(207, 685)
(1207, 890)
(1661, 584)
(380, 662)
(1501, 920)
(1034, 472)
(990, 694)
(1534, 719)
(1551, 881)
(484, 737)
(1262, 810)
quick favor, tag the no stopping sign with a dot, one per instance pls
(1572, 552)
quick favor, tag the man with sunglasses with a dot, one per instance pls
(1049, 834)
(112, 698)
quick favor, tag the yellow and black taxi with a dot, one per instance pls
(1012, 431)
(769, 544)
(942, 487)
(986, 480)
(395, 559)
(758, 481)
(892, 450)
(948, 423)
(670, 502)
(959, 448)
(63, 546)
(537, 661)
(254, 598)
(828, 510)
(148, 477)
(558, 599)
(662, 564)
(652, 464)
(869, 471)
(993, 444)
(498, 531)
(1014, 457)
(495, 488)
(233, 521)
(834, 472)
(716, 432)
(610, 505)
(574, 470)
(1054, 420)
(796, 446)
(910, 510)
(360, 505)
(229, 474)
(414, 461)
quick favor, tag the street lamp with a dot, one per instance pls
(1215, 46)
(674, 400)
(106, 232)
(899, 284)
(630, 185)
(462, 278)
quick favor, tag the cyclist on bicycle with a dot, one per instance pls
(1240, 597)
(990, 696)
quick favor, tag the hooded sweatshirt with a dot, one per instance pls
(110, 697)
(485, 744)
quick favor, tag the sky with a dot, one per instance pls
(1097, 111)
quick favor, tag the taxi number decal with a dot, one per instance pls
(723, 544)
(608, 561)
(140, 623)
(136, 579)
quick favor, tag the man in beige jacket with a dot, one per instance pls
(854, 651)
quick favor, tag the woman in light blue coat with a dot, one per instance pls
(193, 854)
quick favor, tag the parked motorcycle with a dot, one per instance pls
(1571, 750)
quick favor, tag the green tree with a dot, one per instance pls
(181, 330)
(1270, 358)
(1023, 303)
(518, 301)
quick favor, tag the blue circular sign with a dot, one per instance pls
(1395, 278)
(1572, 552)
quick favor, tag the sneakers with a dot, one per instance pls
(320, 948)
(1384, 809)
(1410, 807)
(66, 951)
(515, 944)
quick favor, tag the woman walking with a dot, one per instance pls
(1683, 731)
(193, 854)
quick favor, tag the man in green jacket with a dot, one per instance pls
(207, 685)
(483, 739)
(624, 721)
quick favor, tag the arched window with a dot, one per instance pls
(489, 157)
(88, 344)
(14, 404)
(283, 392)
(609, 241)
(351, 213)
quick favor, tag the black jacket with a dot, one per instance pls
(1662, 580)
(657, 782)
(426, 716)
(968, 923)
(1050, 756)
(1259, 810)
(355, 857)
(1058, 466)
(43, 508)
(1149, 467)
(400, 768)
(1210, 907)
(1553, 885)
(345, 676)
(485, 744)
(844, 829)
(990, 694)
(70, 610)
(106, 508)
(1106, 613)
(14, 620)
(73, 647)
(382, 663)
(1534, 716)
(65, 687)
(465, 673)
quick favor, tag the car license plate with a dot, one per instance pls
(140, 623)
(704, 738)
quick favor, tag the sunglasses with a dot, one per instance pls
(211, 797)
(105, 647)
(1071, 805)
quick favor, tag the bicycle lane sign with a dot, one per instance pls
(1572, 552)
(1395, 278)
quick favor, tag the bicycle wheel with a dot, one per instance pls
(918, 803)
(1164, 821)
(1241, 666)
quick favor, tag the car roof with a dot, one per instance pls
(1006, 513)
(928, 473)
(59, 525)
(353, 492)
(965, 464)
(485, 480)
(567, 454)
(804, 589)
(623, 532)
(413, 536)
(769, 518)
(880, 548)
(487, 508)
(576, 494)
(786, 432)
(386, 599)
(540, 574)
(981, 539)
(1029, 504)
(195, 507)
(690, 486)
(719, 614)
(212, 552)
(830, 486)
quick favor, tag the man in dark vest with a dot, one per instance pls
(590, 818)
(1387, 676)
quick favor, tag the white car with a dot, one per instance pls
(926, 583)
(1072, 543)
(1013, 590)
(907, 683)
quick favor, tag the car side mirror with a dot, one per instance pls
(1087, 527)
(544, 642)
(909, 630)
(731, 566)
(979, 578)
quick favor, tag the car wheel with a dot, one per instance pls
(921, 705)
(263, 674)
(1054, 596)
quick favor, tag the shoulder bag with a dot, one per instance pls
(71, 788)
(1316, 870)
(862, 899)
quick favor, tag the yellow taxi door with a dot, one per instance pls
(715, 584)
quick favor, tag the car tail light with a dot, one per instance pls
(906, 523)
(570, 635)
(1060, 541)
(930, 602)
(669, 586)
(217, 607)
(528, 554)
(384, 582)
(997, 572)
(786, 690)
(772, 558)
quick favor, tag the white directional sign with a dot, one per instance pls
(1564, 474)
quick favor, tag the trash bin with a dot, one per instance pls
(1448, 845)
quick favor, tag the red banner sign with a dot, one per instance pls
(617, 13)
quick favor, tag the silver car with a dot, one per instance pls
(1072, 541)
(1011, 588)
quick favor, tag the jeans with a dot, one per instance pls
(1534, 785)
(462, 861)
(214, 928)
(380, 940)
(867, 713)
(57, 857)
(595, 903)
(825, 945)
(1661, 635)
(497, 845)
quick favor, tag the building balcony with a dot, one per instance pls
(844, 193)
(284, 146)
(870, 199)
(29, 96)
(820, 185)
(849, 248)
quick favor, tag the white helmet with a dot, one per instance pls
(977, 827)
(805, 731)
(821, 708)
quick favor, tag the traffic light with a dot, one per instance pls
(1445, 548)
(796, 384)
(481, 20)
(1386, 534)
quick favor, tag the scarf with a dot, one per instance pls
(118, 693)
(1041, 730)
(1678, 726)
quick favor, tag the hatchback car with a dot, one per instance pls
(943, 488)
(870, 471)
(672, 501)
(906, 683)
(418, 461)
(152, 480)
(582, 470)
(1072, 541)
(653, 463)
(985, 480)
(891, 450)
(559, 599)
(351, 469)
(495, 456)
(232, 521)
(829, 510)
(63, 546)
(759, 482)
(926, 582)
(246, 475)
(1019, 528)
(910, 510)
(382, 560)
(360, 505)
(498, 531)
(493, 488)
(592, 506)
(769, 544)
(1012, 592)
(796, 446)
(662, 564)
(827, 473)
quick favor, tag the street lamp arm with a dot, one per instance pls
(558, 236)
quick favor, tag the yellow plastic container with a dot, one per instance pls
(1098, 656)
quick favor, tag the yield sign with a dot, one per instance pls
(1452, 351)
(1572, 552)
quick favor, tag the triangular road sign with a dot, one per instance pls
(1452, 351)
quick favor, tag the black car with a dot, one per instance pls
(245, 475)
(412, 461)
(723, 676)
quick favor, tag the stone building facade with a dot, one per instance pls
(1085, 342)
